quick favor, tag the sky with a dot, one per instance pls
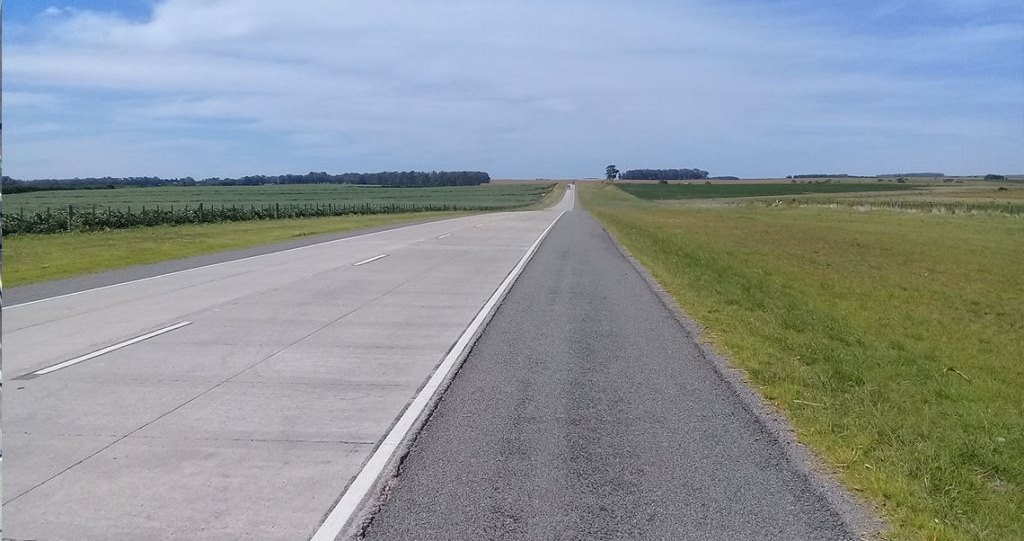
(517, 88)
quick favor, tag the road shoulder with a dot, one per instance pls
(64, 286)
(856, 514)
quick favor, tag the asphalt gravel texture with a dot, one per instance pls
(585, 412)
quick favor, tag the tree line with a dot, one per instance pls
(664, 174)
(894, 175)
(383, 178)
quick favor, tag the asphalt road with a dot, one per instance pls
(238, 400)
(584, 412)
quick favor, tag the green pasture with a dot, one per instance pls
(700, 190)
(893, 341)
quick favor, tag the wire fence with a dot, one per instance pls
(931, 207)
(946, 207)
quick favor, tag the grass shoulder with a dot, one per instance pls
(891, 340)
(38, 258)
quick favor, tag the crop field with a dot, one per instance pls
(699, 190)
(933, 196)
(36, 258)
(30, 258)
(891, 340)
(94, 210)
(484, 196)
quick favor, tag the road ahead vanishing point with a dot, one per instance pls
(260, 399)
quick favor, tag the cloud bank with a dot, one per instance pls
(521, 89)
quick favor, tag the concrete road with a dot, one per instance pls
(585, 412)
(235, 401)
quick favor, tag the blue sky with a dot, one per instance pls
(521, 89)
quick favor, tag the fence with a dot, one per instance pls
(93, 218)
(933, 207)
(944, 207)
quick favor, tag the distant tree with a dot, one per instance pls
(995, 177)
(611, 172)
(665, 174)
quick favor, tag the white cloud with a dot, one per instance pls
(528, 87)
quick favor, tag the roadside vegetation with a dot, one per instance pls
(38, 258)
(32, 258)
(730, 190)
(93, 210)
(891, 340)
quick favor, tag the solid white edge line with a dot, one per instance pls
(364, 235)
(108, 349)
(364, 481)
(371, 260)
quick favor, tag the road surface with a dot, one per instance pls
(250, 399)
(238, 400)
(584, 412)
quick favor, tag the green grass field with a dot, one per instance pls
(894, 341)
(699, 190)
(495, 196)
(29, 259)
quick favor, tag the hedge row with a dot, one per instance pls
(98, 219)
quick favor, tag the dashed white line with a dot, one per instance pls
(371, 260)
(364, 481)
(280, 252)
(108, 349)
(446, 235)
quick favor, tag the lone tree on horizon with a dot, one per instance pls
(611, 172)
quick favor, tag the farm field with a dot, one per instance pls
(483, 196)
(36, 258)
(891, 340)
(718, 189)
(147, 207)
(32, 258)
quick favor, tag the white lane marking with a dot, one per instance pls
(231, 261)
(371, 260)
(446, 235)
(108, 349)
(364, 481)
